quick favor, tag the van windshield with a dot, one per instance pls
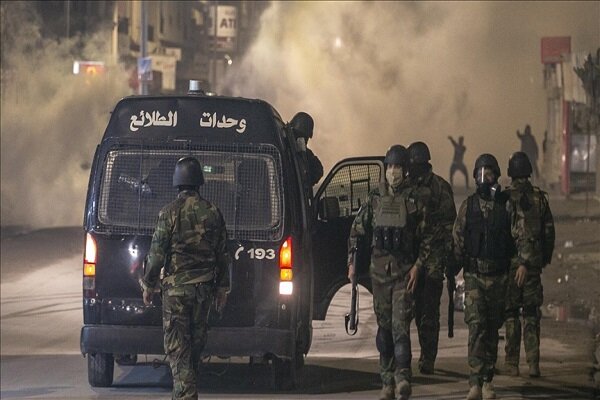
(244, 183)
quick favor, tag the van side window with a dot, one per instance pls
(351, 185)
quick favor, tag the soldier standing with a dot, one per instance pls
(393, 221)
(303, 125)
(458, 163)
(437, 194)
(533, 229)
(190, 244)
(484, 246)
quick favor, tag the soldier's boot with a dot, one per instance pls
(488, 391)
(511, 370)
(387, 392)
(403, 390)
(534, 370)
(474, 393)
(426, 367)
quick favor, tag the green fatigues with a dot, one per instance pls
(437, 194)
(533, 228)
(190, 243)
(394, 223)
(485, 264)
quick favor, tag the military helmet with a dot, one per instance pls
(188, 172)
(303, 125)
(396, 154)
(519, 165)
(486, 160)
(418, 153)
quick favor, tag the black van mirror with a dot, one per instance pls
(329, 208)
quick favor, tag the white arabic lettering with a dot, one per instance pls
(211, 121)
(154, 119)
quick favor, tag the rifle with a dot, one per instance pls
(451, 286)
(351, 319)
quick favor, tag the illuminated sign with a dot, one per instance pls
(91, 68)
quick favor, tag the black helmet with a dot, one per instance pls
(486, 160)
(397, 154)
(303, 125)
(418, 153)
(519, 165)
(188, 172)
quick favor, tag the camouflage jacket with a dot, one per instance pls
(384, 264)
(434, 191)
(532, 226)
(190, 243)
(459, 233)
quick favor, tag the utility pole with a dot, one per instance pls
(143, 44)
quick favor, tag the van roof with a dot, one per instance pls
(212, 118)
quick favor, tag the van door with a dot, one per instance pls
(337, 202)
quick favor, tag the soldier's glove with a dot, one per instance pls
(221, 298)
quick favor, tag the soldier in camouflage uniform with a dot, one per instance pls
(434, 191)
(483, 247)
(190, 244)
(393, 221)
(533, 229)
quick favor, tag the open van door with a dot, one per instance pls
(337, 201)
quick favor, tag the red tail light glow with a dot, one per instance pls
(89, 257)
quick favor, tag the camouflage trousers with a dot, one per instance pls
(185, 324)
(427, 315)
(484, 314)
(529, 299)
(393, 307)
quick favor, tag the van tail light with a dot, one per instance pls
(286, 285)
(89, 266)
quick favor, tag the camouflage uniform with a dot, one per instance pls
(485, 276)
(437, 194)
(392, 303)
(190, 243)
(533, 228)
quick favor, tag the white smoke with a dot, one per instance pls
(373, 74)
(51, 119)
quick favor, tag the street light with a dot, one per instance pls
(228, 59)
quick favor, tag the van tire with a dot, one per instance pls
(285, 373)
(101, 368)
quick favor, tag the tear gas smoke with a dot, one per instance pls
(51, 119)
(373, 74)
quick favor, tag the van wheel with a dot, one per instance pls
(285, 372)
(101, 367)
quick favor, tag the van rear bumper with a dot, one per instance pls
(226, 342)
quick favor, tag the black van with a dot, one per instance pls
(289, 258)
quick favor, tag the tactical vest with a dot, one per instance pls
(488, 238)
(394, 226)
(529, 204)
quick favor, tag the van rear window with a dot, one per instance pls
(244, 182)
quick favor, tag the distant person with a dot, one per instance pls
(458, 163)
(302, 125)
(189, 243)
(533, 229)
(529, 146)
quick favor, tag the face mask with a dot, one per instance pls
(394, 176)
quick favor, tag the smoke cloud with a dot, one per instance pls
(375, 74)
(51, 119)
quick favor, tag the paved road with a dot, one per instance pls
(41, 319)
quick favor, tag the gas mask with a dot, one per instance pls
(394, 174)
(487, 183)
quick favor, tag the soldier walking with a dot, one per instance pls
(484, 246)
(533, 229)
(190, 244)
(393, 221)
(437, 194)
